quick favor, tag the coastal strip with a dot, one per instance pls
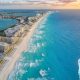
(8, 67)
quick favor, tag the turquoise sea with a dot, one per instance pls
(6, 23)
(53, 50)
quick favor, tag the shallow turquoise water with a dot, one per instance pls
(6, 23)
(53, 50)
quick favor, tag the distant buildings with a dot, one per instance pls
(4, 47)
(1, 16)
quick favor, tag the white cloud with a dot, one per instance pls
(26, 0)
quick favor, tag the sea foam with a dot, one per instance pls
(79, 67)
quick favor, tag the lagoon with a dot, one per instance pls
(6, 23)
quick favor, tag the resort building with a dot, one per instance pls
(22, 20)
(11, 32)
(32, 19)
(38, 16)
(1, 56)
(5, 47)
(9, 40)
(15, 31)
(12, 35)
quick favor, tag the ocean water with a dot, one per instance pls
(6, 23)
(21, 12)
(53, 50)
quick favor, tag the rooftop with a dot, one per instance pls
(3, 44)
(12, 31)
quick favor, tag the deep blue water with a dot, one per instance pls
(6, 23)
(53, 50)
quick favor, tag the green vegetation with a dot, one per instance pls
(2, 33)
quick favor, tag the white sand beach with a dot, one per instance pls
(8, 67)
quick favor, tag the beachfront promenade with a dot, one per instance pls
(8, 67)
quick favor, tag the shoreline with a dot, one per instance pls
(8, 67)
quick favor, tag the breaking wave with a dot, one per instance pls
(79, 67)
